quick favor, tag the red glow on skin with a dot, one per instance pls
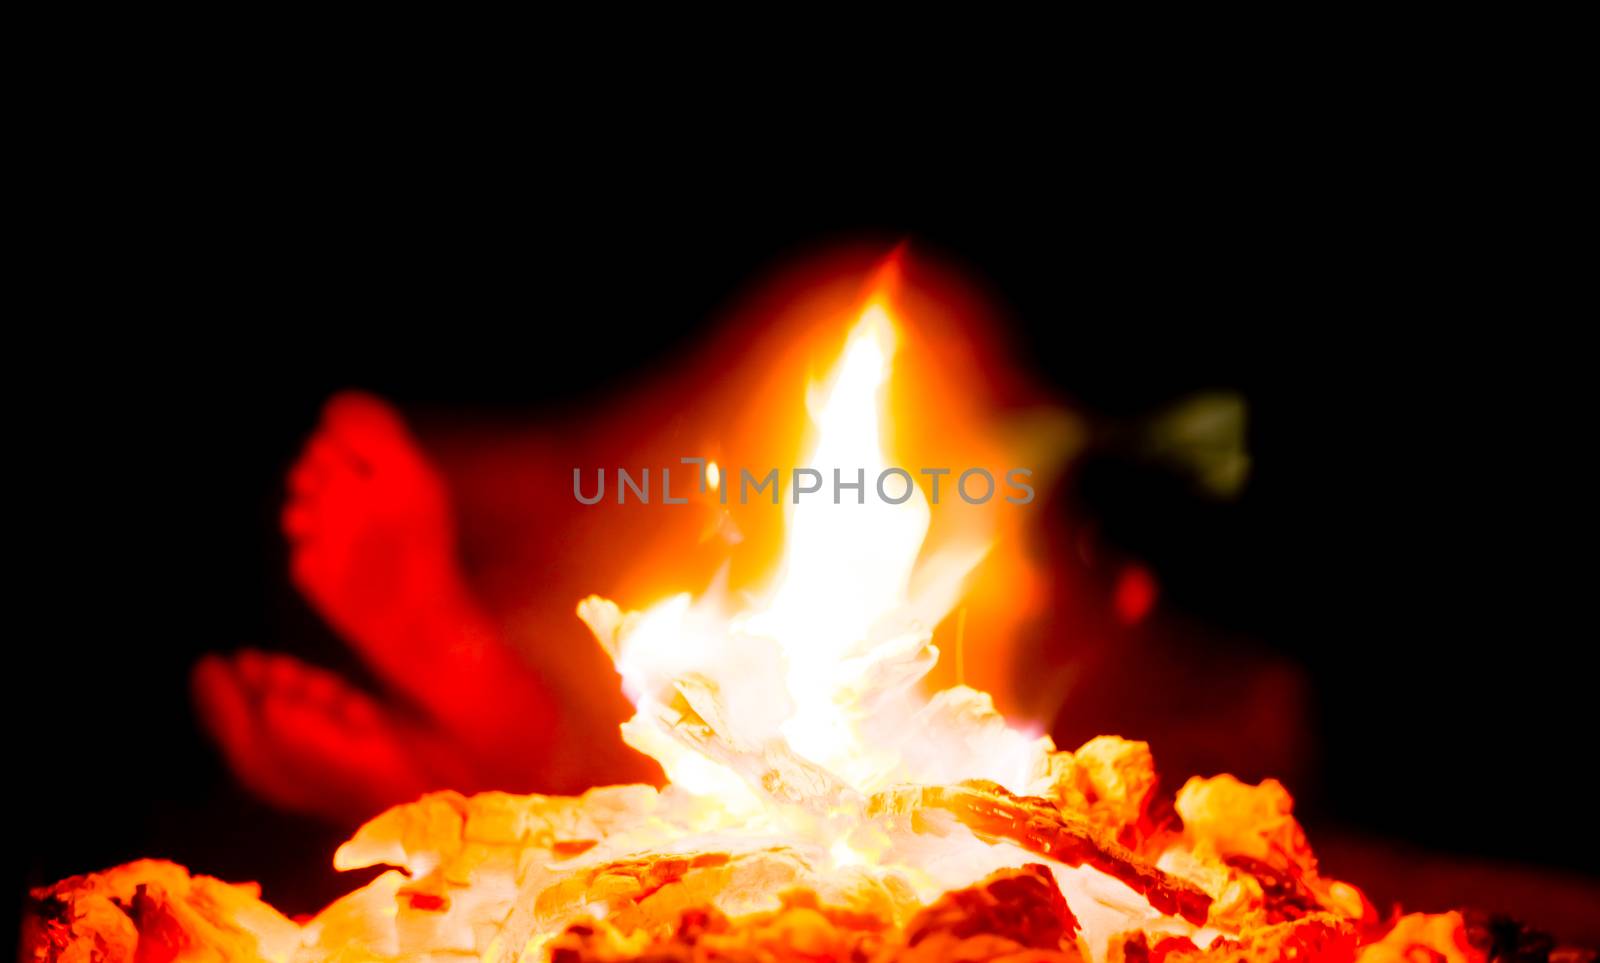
(372, 538)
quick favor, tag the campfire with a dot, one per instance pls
(820, 804)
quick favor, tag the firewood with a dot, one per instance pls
(1040, 826)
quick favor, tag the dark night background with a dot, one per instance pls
(1408, 533)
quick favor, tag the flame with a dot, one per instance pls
(814, 684)
(800, 752)
(858, 557)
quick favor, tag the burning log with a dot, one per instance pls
(153, 911)
(1013, 915)
(1245, 843)
(1039, 826)
(1321, 938)
(1023, 906)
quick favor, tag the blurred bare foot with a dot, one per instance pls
(372, 537)
(300, 738)
(373, 546)
(372, 540)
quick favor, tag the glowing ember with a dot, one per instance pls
(819, 805)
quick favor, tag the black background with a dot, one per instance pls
(1409, 533)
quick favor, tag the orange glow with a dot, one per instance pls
(821, 803)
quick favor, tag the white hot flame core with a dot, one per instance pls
(846, 567)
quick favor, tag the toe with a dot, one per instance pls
(304, 478)
(325, 456)
(299, 520)
(221, 699)
(285, 674)
(312, 568)
(323, 472)
(251, 666)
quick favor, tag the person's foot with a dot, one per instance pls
(373, 547)
(303, 739)
(372, 540)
